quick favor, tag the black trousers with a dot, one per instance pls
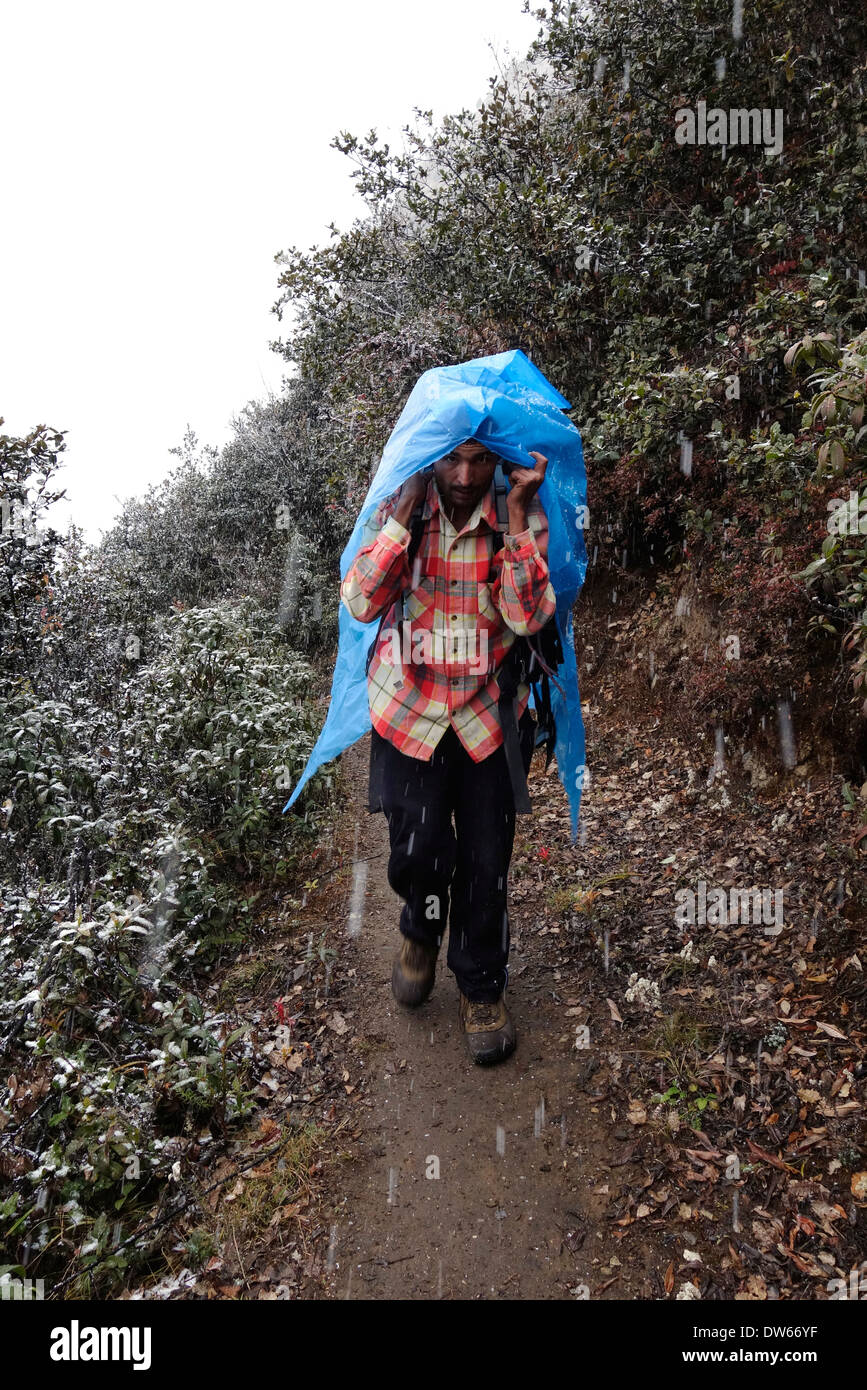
(456, 873)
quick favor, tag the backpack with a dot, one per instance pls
(530, 661)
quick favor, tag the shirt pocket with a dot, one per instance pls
(420, 604)
(488, 610)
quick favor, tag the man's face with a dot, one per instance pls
(464, 476)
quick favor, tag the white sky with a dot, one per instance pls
(155, 158)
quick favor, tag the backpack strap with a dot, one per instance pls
(507, 713)
(501, 493)
(509, 674)
(416, 532)
(534, 661)
(417, 524)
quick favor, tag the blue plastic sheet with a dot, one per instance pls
(506, 403)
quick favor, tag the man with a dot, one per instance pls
(437, 741)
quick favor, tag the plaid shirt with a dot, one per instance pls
(464, 607)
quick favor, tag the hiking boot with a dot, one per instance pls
(412, 976)
(488, 1029)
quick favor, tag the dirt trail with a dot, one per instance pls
(519, 1148)
(705, 1140)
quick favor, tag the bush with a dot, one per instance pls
(138, 840)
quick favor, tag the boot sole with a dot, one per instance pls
(490, 1056)
(409, 995)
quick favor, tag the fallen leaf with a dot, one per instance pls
(755, 1289)
(858, 1186)
(830, 1030)
(769, 1158)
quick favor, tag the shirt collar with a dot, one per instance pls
(485, 510)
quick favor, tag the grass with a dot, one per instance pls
(581, 898)
(247, 976)
(680, 1042)
(282, 1181)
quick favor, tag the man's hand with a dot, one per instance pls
(525, 483)
(411, 494)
